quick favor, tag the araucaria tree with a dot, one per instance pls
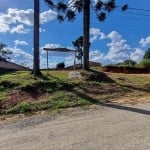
(78, 44)
(147, 54)
(4, 52)
(68, 9)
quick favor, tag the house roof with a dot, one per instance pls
(10, 65)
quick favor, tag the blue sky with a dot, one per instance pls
(120, 36)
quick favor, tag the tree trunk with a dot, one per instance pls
(36, 60)
(86, 28)
(81, 62)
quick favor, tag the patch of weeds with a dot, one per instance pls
(20, 108)
(47, 87)
(2, 96)
(63, 99)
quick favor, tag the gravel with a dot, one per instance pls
(107, 127)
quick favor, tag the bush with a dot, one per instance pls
(60, 65)
(145, 63)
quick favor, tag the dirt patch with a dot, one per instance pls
(133, 98)
(95, 91)
(16, 96)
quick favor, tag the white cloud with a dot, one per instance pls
(42, 30)
(118, 49)
(21, 16)
(145, 41)
(52, 45)
(47, 16)
(4, 28)
(96, 34)
(19, 56)
(19, 29)
(114, 36)
(15, 16)
(137, 54)
(18, 42)
(69, 60)
(97, 56)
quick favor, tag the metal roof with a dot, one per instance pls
(59, 49)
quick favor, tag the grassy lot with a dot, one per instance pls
(20, 92)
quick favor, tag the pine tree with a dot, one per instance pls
(68, 10)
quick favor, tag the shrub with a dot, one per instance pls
(145, 63)
(60, 65)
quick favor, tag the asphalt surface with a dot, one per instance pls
(107, 127)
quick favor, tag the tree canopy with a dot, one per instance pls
(78, 44)
(67, 10)
(147, 54)
(4, 52)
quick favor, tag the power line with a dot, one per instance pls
(139, 14)
(138, 9)
(146, 15)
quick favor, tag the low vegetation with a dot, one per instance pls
(145, 63)
(21, 93)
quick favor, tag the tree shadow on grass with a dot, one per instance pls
(103, 78)
(86, 97)
(48, 76)
(6, 71)
(93, 75)
(111, 105)
(143, 89)
(43, 76)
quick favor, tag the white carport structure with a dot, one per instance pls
(60, 50)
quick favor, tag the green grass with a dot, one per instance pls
(2, 96)
(145, 63)
(63, 92)
(130, 79)
(59, 100)
(20, 108)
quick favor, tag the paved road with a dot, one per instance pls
(107, 127)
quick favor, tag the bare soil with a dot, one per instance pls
(16, 96)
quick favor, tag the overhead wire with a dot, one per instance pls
(138, 9)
